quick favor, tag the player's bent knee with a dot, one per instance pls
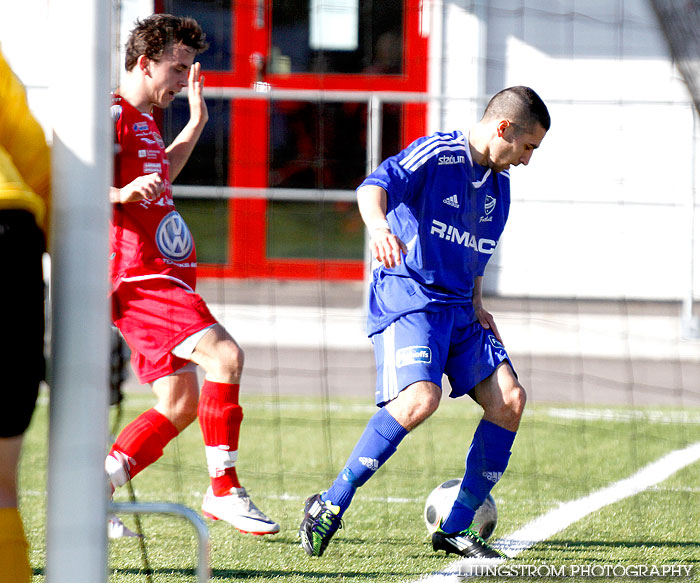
(512, 405)
(423, 409)
(505, 406)
(517, 401)
(516, 398)
(431, 404)
(181, 413)
(227, 361)
(233, 357)
(421, 413)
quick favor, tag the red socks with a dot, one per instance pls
(141, 442)
(220, 418)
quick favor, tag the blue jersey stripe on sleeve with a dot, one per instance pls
(425, 150)
(434, 152)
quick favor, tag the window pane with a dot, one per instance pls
(321, 146)
(317, 145)
(208, 164)
(324, 145)
(314, 230)
(379, 38)
(214, 16)
(208, 222)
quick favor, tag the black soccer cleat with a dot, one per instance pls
(320, 523)
(466, 543)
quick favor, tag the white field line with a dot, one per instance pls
(625, 415)
(568, 513)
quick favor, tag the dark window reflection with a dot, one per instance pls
(317, 145)
(324, 145)
(208, 164)
(379, 40)
(214, 16)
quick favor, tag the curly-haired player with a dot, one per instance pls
(165, 322)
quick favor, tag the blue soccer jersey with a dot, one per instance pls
(450, 213)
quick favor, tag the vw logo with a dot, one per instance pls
(173, 237)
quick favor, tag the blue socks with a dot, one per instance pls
(487, 459)
(377, 444)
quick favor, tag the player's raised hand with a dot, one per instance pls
(387, 247)
(146, 187)
(195, 85)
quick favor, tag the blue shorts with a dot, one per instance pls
(422, 346)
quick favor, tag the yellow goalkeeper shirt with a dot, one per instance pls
(25, 161)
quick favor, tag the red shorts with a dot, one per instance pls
(154, 316)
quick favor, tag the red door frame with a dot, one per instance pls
(248, 158)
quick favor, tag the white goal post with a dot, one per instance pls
(81, 166)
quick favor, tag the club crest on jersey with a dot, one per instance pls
(173, 238)
(489, 205)
(413, 355)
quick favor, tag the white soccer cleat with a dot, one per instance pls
(238, 510)
(117, 529)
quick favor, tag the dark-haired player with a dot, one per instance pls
(435, 213)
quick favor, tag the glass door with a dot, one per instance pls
(269, 191)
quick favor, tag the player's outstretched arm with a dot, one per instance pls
(485, 318)
(384, 245)
(180, 150)
(146, 187)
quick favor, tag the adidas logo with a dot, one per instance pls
(492, 476)
(369, 463)
(452, 201)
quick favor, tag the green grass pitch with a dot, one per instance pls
(293, 447)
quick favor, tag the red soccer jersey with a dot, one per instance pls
(148, 238)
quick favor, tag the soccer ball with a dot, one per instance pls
(439, 504)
